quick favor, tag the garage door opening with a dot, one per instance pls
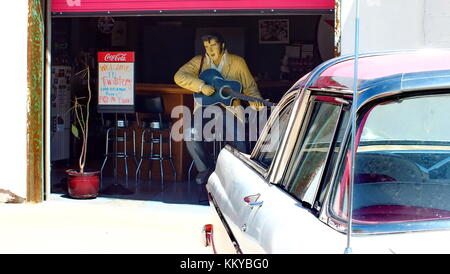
(161, 45)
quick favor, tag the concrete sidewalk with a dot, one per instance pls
(103, 225)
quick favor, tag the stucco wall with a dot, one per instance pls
(437, 23)
(13, 112)
(394, 25)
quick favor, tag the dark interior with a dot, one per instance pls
(164, 43)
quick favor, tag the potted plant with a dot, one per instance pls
(82, 184)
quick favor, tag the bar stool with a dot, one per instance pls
(156, 130)
(123, 131)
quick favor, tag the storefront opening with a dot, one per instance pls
(163, 43)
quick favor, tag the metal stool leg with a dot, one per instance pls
(155, 155)
(151, 156)
(189, 175)
(190, 169)
(106, 156)
(125, 155)
(133, 155)
(161, 160)
(134, 146)
(171, 159)
(138, 167)
(134, 149)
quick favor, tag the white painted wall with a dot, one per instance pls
(437, 23)
(396, 25)
(13, 106)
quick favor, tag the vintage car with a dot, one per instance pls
(292, 194)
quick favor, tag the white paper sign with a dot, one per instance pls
(115, 80)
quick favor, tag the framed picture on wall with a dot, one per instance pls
(274, 31)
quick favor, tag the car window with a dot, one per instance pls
(337, 147)
(275, 134)
(402, 171)
(310, 153)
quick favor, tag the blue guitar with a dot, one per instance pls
(226, 90)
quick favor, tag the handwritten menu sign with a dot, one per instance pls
(116, 82)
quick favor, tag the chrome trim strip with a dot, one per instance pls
(329, 153)
(389, 228)
(333, 90)
(368, 148)
(295, 124)
(245, 158)
(225, 224)
(293, 133)
(402, 92)
(325, 211)
(286, 98)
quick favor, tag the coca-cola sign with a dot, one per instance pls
(107, 57)
(116, 81)
(120, 57)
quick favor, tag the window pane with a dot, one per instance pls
(309, 155)
(274, 137)
(418, 120)
(338, 146)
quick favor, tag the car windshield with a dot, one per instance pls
(402, 170)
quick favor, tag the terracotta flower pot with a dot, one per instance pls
(83, 185)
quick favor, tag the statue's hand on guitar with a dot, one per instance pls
(207, 90)
(219, 90)
(257, 105)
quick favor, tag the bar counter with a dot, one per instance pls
(173, 96)
(148, 88)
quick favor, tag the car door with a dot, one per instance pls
(272, 210)
(285, 220)
(238, 181)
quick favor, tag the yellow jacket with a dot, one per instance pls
(234, 68)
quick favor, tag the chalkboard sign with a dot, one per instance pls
(116, 82)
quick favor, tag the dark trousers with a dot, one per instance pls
(219, 125)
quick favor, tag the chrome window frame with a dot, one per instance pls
(252, 161)
(302, 130)
(286, 147)
(339, 124)
(298, 134)
(325, 214)
(329, 148)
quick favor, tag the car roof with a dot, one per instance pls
(383, 74)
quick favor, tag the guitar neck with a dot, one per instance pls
(248, 98)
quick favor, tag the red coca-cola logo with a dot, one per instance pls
(121, 57)
(127, 56)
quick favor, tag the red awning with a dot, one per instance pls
(170, 6)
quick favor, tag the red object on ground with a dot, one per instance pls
(209, 238)
(83, 185)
